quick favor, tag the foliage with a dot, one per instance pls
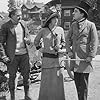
(32, 26)
(94, 13)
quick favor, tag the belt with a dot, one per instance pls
(52, 67)
(49, 55)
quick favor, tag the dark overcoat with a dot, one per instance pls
(8, 38)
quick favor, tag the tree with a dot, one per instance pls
(94, 14)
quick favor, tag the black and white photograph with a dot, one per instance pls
(49, 49)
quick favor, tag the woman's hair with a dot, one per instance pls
(12, 13)
(49, 21)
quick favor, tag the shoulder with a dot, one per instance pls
(60, 28)
(6, 24)
(91, 25)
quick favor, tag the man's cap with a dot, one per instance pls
(84, 5)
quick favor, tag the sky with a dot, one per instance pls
(4, 3)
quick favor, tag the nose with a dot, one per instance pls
(19, 17)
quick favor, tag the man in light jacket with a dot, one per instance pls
(83, 40)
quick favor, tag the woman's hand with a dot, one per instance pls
(57, 47)
(88, 59)
(28, 42)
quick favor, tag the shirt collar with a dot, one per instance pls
(81, 21)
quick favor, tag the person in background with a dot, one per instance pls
(13, 49)
(52, 86)
(82, 43)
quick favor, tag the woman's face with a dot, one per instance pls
(54, 21)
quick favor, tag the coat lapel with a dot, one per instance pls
(82, 28)
(12, 28)
(12, 31)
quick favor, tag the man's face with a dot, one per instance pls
(17, 16)
(77, 15)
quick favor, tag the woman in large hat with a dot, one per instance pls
(52, 87)
(83, 38)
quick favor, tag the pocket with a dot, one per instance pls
(81, 51)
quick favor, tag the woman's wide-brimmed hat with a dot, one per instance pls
(85, 6)
(49, 14)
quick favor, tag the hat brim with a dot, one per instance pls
(82, 9)
(53, 15)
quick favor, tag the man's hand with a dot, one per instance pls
(88, 59)
(70, 54)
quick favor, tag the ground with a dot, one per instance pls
(70, 90)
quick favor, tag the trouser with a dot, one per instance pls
(81, 82)
(21, 62)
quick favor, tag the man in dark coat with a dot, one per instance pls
(13, 49)
(83, 40)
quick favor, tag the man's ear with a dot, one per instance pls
(82, 14)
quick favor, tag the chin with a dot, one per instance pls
(73, 19)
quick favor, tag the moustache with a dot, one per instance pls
(19, 18)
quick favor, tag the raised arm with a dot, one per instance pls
(37, 40)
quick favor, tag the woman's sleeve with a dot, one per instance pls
(37, 40)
